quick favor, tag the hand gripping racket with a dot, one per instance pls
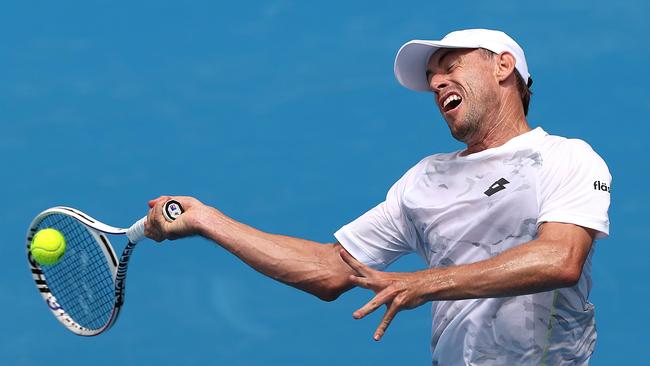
(85, 288)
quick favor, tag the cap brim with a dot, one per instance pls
(411, 63)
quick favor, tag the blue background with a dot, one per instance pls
(285, 115)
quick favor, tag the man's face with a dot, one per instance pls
(466, 89)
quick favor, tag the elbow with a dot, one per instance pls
(568, 276)
(332, 289)
(329, 295)
(565, 270)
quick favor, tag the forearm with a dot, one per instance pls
(529, 268)
(310, 266)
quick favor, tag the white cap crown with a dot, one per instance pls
(412, 58)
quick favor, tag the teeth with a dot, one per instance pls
(450, 99)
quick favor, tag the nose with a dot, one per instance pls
(437, 83)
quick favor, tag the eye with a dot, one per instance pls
(451, 67)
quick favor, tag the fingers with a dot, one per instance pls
(392, 308)
(159, 229)
(364, 273)
(153, 227)
(152, 202)
(386, 320)
(156, 227)
(186, 202)
(372, 305)
(357, 266)
(360, 281)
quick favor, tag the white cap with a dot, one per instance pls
(412, 58)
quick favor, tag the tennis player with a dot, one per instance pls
(506, 225)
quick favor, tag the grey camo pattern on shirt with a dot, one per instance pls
(555, 327)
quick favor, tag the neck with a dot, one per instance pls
(498, 128)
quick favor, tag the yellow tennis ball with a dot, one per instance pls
(47, 246)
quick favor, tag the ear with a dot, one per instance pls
(505, 65)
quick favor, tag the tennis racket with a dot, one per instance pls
(85, 288)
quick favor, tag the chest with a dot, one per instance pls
(464, 211)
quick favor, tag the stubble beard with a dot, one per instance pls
(478, 107)
(469, 126)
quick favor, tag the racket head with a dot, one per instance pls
(80, 288)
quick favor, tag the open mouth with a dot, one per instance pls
(451, 102)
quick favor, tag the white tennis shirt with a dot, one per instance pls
(453, 209)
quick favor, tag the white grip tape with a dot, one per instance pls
(136, 232)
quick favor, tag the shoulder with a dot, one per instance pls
(562, 151)
(567, 158)
(574, 185)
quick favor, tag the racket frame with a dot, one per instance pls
(118, 269)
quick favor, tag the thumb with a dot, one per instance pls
(153, 202)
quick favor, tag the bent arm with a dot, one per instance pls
(554, 260)
(551, 261)
(307, 265)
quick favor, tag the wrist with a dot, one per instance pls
(207, 222)
(438, 281)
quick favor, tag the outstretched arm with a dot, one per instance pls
(554, 260)
(309, 266)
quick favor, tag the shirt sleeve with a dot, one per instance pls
(385, 233)
(575, 187)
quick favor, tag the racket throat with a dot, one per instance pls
(120, 277)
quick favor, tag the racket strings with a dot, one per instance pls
(81, 281)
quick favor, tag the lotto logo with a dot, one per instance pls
(496, 187)
(602, 186)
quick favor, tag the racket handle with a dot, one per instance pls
(172, 209)
(136, 232)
